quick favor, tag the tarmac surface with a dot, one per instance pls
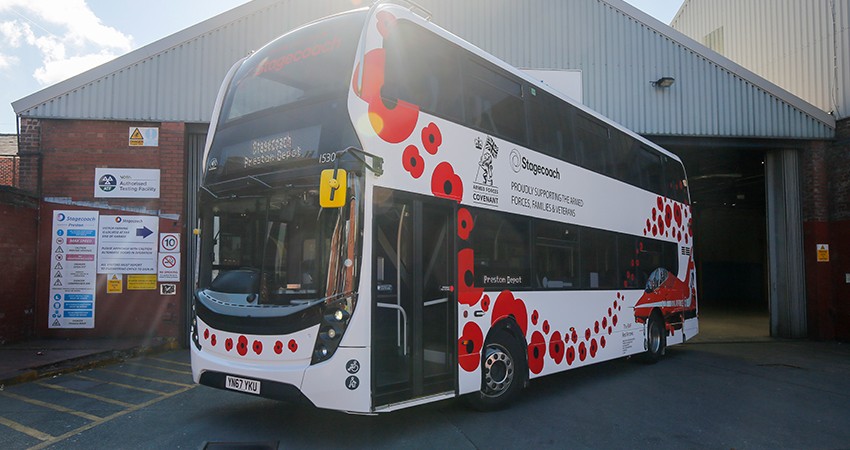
(31, 360)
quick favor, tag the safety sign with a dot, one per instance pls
(73, 276)
(127, 244)
(169, 267)
(144, 137)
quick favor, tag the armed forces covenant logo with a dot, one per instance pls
(484, 192)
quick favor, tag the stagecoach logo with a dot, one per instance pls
(484, 193)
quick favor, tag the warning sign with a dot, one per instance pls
(823, 252)
(114, 283)
(144, 137)
(169, 267)
(141, 282)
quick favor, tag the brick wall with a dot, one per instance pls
(826, 212)
(71, 150)
(18, 237)
(29, 151)
(839, 229)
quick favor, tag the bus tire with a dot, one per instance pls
(503, 371)
(656, 338)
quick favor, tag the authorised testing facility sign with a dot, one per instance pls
(126, 183)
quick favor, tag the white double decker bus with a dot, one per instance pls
(390, 216)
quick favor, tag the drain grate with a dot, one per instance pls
(270, 445)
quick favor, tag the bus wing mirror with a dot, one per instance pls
(332, 188)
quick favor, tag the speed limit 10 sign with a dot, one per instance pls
(169, 242)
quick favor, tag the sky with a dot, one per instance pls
(43, 42)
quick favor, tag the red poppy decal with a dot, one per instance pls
(386, 22)
(258, 347)
(508, 306)
(467, 293)
(228, 344)
(373, 75)
(412, 161)
(593, 348)
(582, 351)
(574, 336)
(556, 347)
(571, 355)
(546, 326)
(242, 346)
(534, 317)
(485, 303)
(207, 333)
(431, 138)
(465, 223)
(278, 347)
(212, 340)
(536, 352)
(392, 119)
(445, 183)
(293, 346)
(602, 342)
(469, 347)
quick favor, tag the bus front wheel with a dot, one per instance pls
(502, 372)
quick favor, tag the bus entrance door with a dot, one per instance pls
(413, 278)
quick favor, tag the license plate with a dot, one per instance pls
(242, 385)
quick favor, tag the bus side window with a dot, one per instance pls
(555, 255)
(648, 165)
(550, 125)
(599, 259)
(592, 144)
(501, 251)
(493, 102)
(423, 69)
(674, 181)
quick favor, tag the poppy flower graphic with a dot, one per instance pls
(278, 347)
(242, 346)
(445, 183)
(464, 223)
(412, 161)
(386, 22)
(467, 293)
(393, 120)
(258, 347)
(536, 352)
(556, 347)
(469, 347)
(508, 306)
(431, 138)
(228, 344)
(293, 346)
(571, 355)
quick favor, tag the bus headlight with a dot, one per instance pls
(335, 318)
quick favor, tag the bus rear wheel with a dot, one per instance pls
(656, 338)
(502, 372)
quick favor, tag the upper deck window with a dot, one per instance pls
(306, 64)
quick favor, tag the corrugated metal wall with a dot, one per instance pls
(803, 46)
(618, 56)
